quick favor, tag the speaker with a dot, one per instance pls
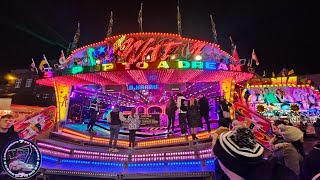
(175, 87)
(112, 88)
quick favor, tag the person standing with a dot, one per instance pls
(94, 109)
(194, 117)
(286, 149)
(134, 124)
(224, 113)
(316, 126)
(7, 133)
(204, 111)
(114, 118)
(171, 108)
(182, 109)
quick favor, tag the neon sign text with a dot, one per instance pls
(151, 65)
(143, 87)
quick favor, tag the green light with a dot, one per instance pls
(76, 69)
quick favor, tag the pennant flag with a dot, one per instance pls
(214, 31)
(283, 74)
(140, 18)
(43, 62)
(62, 58)
(235, 54)
(254, 57)
(179, 19)
(291, 72)
(33, 66)
(110, 25)
(76, 38)
(264, 74)
(273, 74)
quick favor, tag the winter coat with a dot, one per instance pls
(133, 122)
(194, 117)
(224, 106)
(5, 139)
(286, 154)
(171, 109)
(115, 117)
(204, 105)
(311, 165)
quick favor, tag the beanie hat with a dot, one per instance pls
(239, 152)
(235, 123)
(290, 133)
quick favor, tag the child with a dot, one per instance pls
(134, 124)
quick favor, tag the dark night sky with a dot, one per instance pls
(280, 31)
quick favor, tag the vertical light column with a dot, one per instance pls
(62, 98)
(227, 91)
(233, 83)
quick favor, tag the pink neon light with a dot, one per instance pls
(55, 153)
(53, 147)
(99, 153)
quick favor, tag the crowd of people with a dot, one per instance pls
(239, 156)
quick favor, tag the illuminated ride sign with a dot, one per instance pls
(149, 65)
(143, 86)
(151, 51)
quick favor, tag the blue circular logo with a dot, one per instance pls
(21, 159)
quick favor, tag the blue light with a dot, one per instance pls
(142, 86)
(102, 50)
(50, 158)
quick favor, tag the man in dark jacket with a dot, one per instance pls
(94, 110)
(7, 133)
(204, 111)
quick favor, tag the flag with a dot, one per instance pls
(140, 18)
(283, 74)
(273, 74)
(62, 58)
(43, 62)
(235, 54)
(188, 50)
(33, 66)
(214, 31)
(291, 72)
(76, 38)
(179, 19)
(264, 74)
(110, 25)
(254, 57)
(232, 45)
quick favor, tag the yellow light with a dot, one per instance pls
(198, 57)
(10, 77)
(148, 57)
(173, 57)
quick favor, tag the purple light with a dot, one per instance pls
(53, 147)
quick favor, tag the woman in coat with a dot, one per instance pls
(171, 109)
(194, 117)
(133, 124)
(224, 106)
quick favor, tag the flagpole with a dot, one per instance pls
(214, 31)
(46, 60)
(179, 19)
(34, 65)
(140, 18)
(232, 44)
(109, 33)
